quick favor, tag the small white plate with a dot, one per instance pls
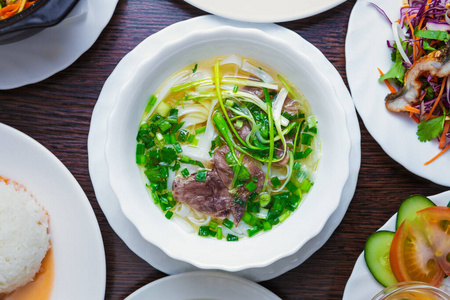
(362, 285)
(265, 11)
(79, 256)
(109, 202)
(202, 285)
(55, 48)
(365, 51)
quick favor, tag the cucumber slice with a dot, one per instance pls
(376, 254)
(410, 206)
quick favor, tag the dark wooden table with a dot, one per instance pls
(57, 113)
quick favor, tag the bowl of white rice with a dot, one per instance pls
(24, 236)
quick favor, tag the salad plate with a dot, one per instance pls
(79, 255)
(362, 285)
(365, 51)
(53, 49)
(265, 11)
(99, 170)
(202, 285)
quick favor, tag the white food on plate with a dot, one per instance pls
(24, 237)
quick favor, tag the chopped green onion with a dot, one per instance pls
(306, 185)
(195, 68)
(140, 149)
(254, 230)
(159, 140)
(239, 123)
(183, 135)
(201, 175)
(163, 109)
(232, 238)
(227, 223)
(200, 130)
(306, 138)
(177, 148)
(173, 116)
(213, 224)
(235, 89)
(219, 233)
(229, 103)
(169, 214)
(264, 199)
(150, 103)
(177, 127)
(253, 207)
(140, 159)
(275, 181)
(203, 231)
(250, 186)
(297, 166)
(267, 226)
(191, 138)
(291, 187)
(185, 172)
(164, 125)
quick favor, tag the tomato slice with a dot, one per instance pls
(411, 256)
(435, 222)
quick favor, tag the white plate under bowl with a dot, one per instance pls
(362, 285)
(202, 285)
(99, 171)
(55, 48)
(265, 10)
(365, 51)
(125, 177)
(79, 256)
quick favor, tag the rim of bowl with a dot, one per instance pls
(38, 16)
(249, 35)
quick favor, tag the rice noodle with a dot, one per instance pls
(232, 59)
(181, 209)
(197, 218)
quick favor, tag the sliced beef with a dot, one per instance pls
(212, 196)
(291, 106)
(279, 151)
(226, 172)
(258, 92)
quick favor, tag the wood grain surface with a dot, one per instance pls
(57, 113)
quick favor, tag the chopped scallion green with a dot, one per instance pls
(169, 214)
(227, 223)
(185, 172)
(232, 238)
(201, 175)
(200, 130)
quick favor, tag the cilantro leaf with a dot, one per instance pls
(430, 129)
(397, 70)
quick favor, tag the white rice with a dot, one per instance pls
(24, 238)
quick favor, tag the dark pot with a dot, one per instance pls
(42, 14)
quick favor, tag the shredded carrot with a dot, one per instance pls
(388, 84)
(439, 154)
(412, 109)
(438, 98)
(443, 136)
(413, 37)
(8, 8)
(414, 117)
